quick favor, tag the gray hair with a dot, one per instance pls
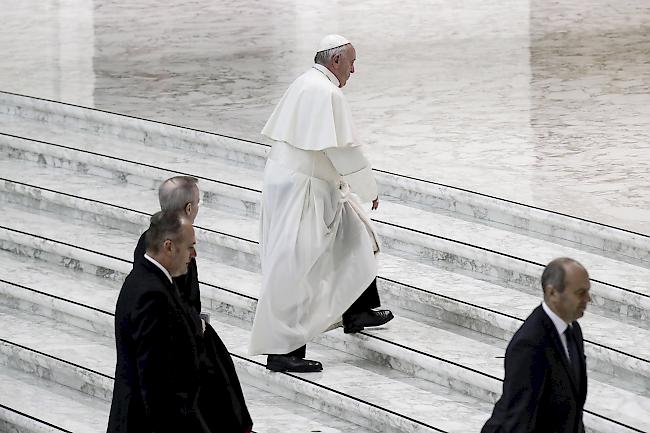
(163, 225)
(555, 273)
(325, 57)
(176, 192)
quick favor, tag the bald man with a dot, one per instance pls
(545, 385)
(179, 194)
(221, 402)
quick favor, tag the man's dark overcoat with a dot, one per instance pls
(159, 345)
(221, 401)
(541, 394)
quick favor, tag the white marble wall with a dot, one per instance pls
(540, 102)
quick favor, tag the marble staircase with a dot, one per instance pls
(460, 270)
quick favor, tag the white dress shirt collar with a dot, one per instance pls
(330, 76)
(161, 267)
(560, 326)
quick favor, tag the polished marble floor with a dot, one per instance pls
(541, 102)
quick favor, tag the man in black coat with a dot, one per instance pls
(158, 338)
(220, 400)
(545, 385)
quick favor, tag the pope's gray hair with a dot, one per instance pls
(325, 57)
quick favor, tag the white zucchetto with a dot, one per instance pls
(331, 41)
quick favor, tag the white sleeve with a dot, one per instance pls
(355, 169)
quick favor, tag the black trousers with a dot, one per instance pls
(369, 299)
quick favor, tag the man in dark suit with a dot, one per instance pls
(158, 338)
(221, 400)
(545, 385)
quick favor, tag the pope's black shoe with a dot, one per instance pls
(293, 364)
(357, 321)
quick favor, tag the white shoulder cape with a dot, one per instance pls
(312, 115)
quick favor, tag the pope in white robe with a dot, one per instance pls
(318, 246)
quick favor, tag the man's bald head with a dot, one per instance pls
(180, 194)
(566, 288)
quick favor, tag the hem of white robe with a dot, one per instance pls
(291, 348)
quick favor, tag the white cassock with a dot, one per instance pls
(317, 245)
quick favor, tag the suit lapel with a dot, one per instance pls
(560, 353)
(174, 293)
(581, 354)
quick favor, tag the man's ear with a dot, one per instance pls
(168, 246)
(336, 58)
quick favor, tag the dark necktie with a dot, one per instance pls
(574, 355)
(176, 289)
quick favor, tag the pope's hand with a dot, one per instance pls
(375, 203)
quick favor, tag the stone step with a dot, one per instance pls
(36, 402)
(342, 381)
(80, 361)
(409, 251)
(524, 248)
(623, 292)
(24, 116)
(611, 346)
(619, 349)
(14, 421)
(619, 244)
(437, 358)
(80, 120)
(598, 423)
(415, 347)
(235, 198)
